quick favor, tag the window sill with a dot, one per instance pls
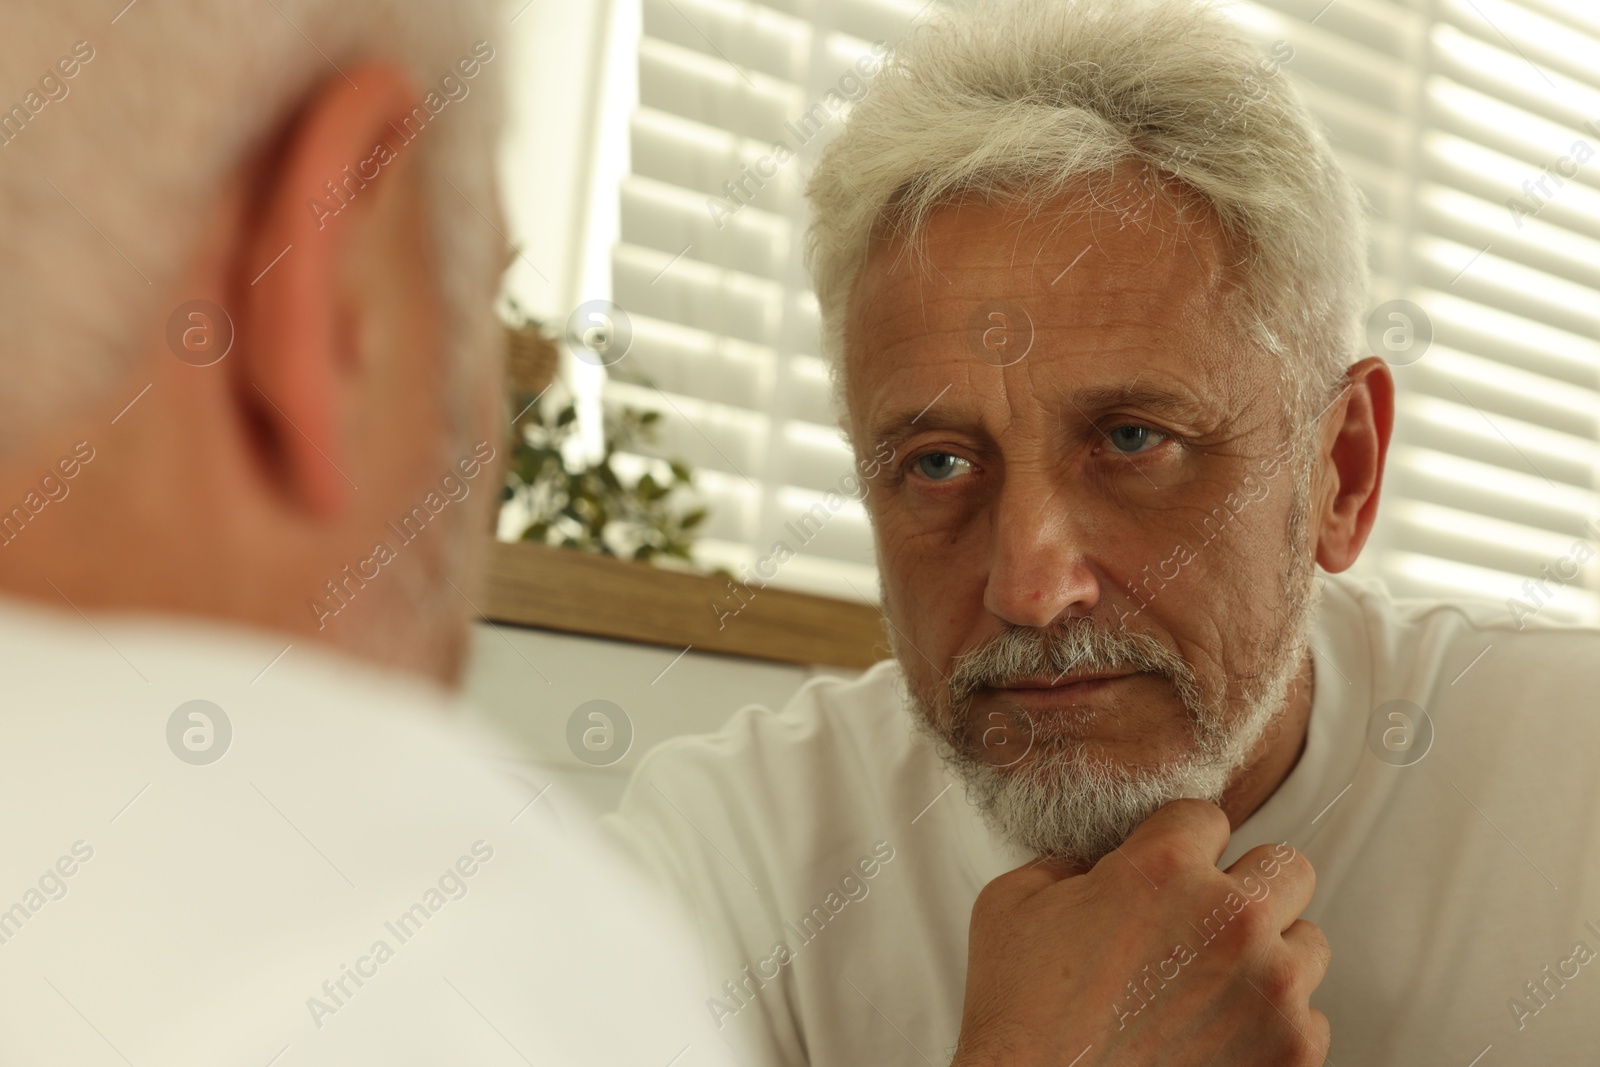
(574, 592)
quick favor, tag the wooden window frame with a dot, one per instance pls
(576, 592)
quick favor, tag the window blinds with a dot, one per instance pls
(1467, 122)
(1469, 125)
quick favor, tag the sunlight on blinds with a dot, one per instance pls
(1470, 125)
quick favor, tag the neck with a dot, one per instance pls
(149, 515)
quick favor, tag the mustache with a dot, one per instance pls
(1021, 652)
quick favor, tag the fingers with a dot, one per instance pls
(1287, 982)
(1310, 949)
(1058, 868)
(1180, 833)
(1278, 878)
(1017, 885)
(1317, 1036)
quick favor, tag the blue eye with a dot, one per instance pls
(1130, 440)
(941, 466)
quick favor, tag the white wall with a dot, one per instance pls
(553, 53)
(696, 694)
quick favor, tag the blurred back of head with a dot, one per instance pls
(176, 97)
(165, 154)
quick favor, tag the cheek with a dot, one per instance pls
(934, 584)
(911, 565)
(908, 536)
(1223, 610)
(1249, 554)
(1210, 576)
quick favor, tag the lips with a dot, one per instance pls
(1055, 693)
(1070, 681)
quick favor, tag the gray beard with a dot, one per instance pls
(1057, 799)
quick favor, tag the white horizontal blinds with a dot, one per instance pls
(1498, 464)
(1441, 109)
(708, 267)
(1360, 67)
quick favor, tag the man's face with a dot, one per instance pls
(1085, 536)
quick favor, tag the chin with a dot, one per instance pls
(1079, 805)
(1073, 800)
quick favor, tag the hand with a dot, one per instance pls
(1152, 957)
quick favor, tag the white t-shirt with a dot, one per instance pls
(826, 849)
(349, 883)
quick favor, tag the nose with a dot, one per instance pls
(1038, 570)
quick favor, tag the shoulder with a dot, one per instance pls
(317, 815)
(1465, 653)
(1529, 625)
(832, 726)
(810, 778)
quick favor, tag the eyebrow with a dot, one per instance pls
(1157, 400)
(897, 425)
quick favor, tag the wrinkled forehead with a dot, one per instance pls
(1121, 278)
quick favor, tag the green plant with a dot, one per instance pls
(591, 506)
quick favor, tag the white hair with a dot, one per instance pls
(104, 190)
(1023, 100)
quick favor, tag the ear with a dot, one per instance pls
(1356, 446)
(296, 351)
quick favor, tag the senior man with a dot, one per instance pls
(1141, 758)
(247, 442)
